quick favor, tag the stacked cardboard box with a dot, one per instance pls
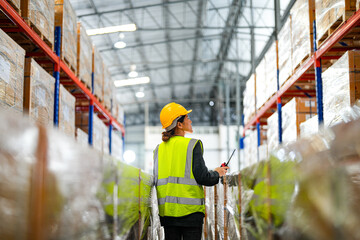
(38, 93)
(249, 99)
(330, 13)
(118, 112)
(341, 86)
(117, 145)
(251, 146)
(295, 112)
(65, 17)
(40, 15)
(11, 74)
(309, 127)
(98, 69)
(82, 121)
(82, 137)
(107, 88)
(84, 56)
(285, 52)
(302, 17)
(100, 136)
(66, 112)
(261, 84)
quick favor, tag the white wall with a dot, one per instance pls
(214, 141)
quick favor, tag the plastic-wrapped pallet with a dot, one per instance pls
(261, 84)
(249, 99)
(341, 84)
(250, 148)
(210, 212)
(12, 58)
(108, 88)
(263, 152)
(105, 139)
(82, 137)
(40, 13)
(66, 112)
(38, 93)
(271, 72)
(285, 52)
(47, 192)
(309, 127)
(329, 12)
(272, 132)
(117, 145)
(118, 111)
(84, 56)
(65, 18)
(302, 17)
(98, 133)
(98, 69)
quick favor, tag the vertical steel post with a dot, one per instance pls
(57, 75)
(110, 137)
(91, 112)
(279, 105)
(319, 90)
(258, 138)
(225, 210)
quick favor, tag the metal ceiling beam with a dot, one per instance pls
(180, 100)
(177, 64)
(232, 20)
(133, 8)
(201, 7)
(199, 28)
(168, 47)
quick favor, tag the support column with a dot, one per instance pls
(57, 76)
(319, 90)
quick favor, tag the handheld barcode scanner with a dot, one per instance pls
(226, 164)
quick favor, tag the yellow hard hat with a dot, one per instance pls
(171, 112)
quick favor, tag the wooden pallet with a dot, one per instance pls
(39, 33)
(86, 84)
(305, 58)
(336, 25)
(72, 68)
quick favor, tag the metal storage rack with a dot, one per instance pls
(313, 63)
(59, 65)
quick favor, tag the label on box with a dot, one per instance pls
(41, 96)
(4, 70)
(309, 103)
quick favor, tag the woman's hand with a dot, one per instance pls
(221, 170)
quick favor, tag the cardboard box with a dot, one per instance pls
(341, 87)
(84, 56)
(65, 17)
(249, 99)
(41, 17)
(285, 52)
(66, 112)
(12, 59)
(38, 93)
(98, 69)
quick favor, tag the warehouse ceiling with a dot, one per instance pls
(190, 49)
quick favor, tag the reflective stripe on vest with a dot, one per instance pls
(189, 193)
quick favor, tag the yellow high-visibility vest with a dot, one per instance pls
(178, 192)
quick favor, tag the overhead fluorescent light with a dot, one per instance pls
(131, 81)
(120, 28)
(140, 94)
(120, 44)
(133, 74)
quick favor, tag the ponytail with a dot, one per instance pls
(167, 135)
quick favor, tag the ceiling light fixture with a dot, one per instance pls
(120, 44)
(140, 94)
(105, 30)
(133, 73)
(211, 103)
(131, 81)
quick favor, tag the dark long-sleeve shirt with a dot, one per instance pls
(203, 177)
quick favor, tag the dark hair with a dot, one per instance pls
(168, 134)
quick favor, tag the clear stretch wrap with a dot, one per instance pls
(309, 127)
(12, 58)
(263, 152)
(98, 133)
(250, 148)
(117, 145)
(107, 88)
(249, 99)
(285, 52)
(98, 69)
(40, 13)
(18, 152)
(134, 202)
(82, 137)
(65, 18)
(46, 189)
(39, 93)
(210, 212)
(289, 115)
(105, 138)
(329, 12)
(118, 111)
(261, 84)
(221, 218)
(271, 72)
(341, 84)
(84, 56)
(272, 132)
(66, 112)
(302, 17)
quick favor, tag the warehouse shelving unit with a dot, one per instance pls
(309, 71)
(61, 67)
